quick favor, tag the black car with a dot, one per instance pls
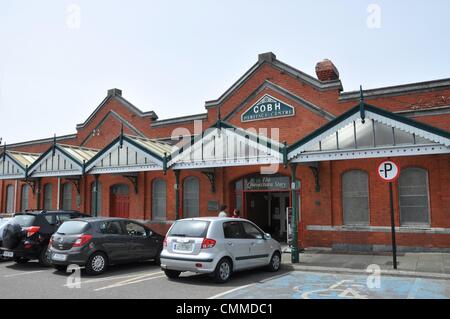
(3, 222)
(97, 242)
(27, 235)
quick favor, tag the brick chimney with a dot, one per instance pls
(326, 71)
(114, 92)
(268, 57)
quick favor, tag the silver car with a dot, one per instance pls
(217, 246)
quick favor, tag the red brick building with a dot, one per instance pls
(242, 152)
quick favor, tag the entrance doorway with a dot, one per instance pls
(268, 211)
(264, 199)
(120, 201)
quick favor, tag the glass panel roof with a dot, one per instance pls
(368, 135)
(24, 159)
(157, 147)
(79, 153)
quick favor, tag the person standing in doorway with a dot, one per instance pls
(223, 211)
(236, 213)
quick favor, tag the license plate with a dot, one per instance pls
(8, 254)
(59, 257)
(182, 246)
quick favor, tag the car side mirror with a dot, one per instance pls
(149, 233)
(267, 236)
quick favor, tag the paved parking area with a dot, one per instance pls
(139, 280)
(146, 280)
(312, 285)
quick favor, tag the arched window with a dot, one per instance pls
(159, 199)
(48, 196)
(67, 196)
(10, 199)
(99, 199)
(24, 197)
(355, 197)
(191, 197)
(413, 197)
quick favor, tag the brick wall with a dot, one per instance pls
(317, 208)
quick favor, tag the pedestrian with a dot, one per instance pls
(236, 213)
(223, 211)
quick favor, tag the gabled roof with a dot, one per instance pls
(117, 94)
(22, 158)
(118, 117)
(425, 139)
(129, 153)
(61, 160)
(270, 59)
(14, 164)
(223, 144)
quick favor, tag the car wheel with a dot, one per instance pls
(44, 260)
(223, 271)
(172, 274)
(11, 236)
(96, 264)
(21, 260)
(61, 268)
(275, 262)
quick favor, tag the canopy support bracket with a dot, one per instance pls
(211, 175)
(134, 180)
(315, 171)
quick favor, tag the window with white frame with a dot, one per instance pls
(24, 197)
(413, 197)
(48, 196)
(355, 197)
(99, 198)
(10, 199)
(191, 197)
(159, 199)
(67, 196)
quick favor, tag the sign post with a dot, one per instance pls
(389, 172)
(295, 258)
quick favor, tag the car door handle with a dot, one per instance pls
(253, 244)
(230, 244)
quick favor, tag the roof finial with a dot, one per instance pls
(165, 163)
(54, 145)
(219, 119)
(121, 137)
(4, 152)
(361, 104)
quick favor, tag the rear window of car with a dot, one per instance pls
(3, 222)
(73, 228)
(24, 220)
(189, 228)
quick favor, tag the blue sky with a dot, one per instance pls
(171, 56)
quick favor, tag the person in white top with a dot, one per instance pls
(223, 211)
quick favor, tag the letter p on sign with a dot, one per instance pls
(388, 171)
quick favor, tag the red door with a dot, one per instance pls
(120, 201)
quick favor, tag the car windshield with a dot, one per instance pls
(189, 228)
(72, 227)
(24, 220)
